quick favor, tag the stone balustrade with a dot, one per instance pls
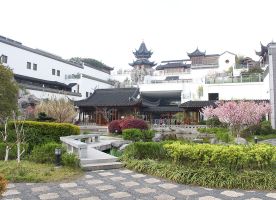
(77, 144)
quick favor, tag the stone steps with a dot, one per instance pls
(95, 161)
(102, 166)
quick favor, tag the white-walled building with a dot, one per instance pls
(47, 75)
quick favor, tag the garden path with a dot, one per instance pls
(127, 185)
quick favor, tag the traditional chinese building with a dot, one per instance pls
(141, 66)
(105, 105)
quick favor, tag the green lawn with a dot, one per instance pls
(33, 172)
(261, 137)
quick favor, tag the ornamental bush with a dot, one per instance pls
(134, 123)
(37, 133)
(132, 134)
(114, 126)
(45, 153)
(70, 160)
(3, 184)
(144, 150)
(233, 157)
(136, 135)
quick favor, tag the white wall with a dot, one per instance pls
(234, 91)
(226, 56)
(18, 58)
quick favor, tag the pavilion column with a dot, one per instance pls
(272, 82)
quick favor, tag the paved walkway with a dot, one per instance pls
(126, 185)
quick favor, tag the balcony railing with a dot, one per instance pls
(237, 79)
(204, 65)
(171, 81)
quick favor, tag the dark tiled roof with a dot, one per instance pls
(37, 51)
(142, 62)
(173, 65)
(37, 80)
(111, 97)
(264, 50)
(197, 104)
(163, 109)
(171, 78)
(196, 53)
(142, 52)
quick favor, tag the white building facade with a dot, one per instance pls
(49, 76)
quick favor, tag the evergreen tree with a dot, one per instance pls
(8, 92)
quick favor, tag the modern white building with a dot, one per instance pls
(47, 75)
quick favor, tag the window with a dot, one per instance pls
(53, 72)
(4, 59)
(87, 94)
(58, 72)
(213, 96)
(35, 67)
(29, 65)
(227, 61)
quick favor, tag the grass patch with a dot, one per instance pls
(204, 176)
(261, 137)
(33, 172)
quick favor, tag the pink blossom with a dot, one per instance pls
(238, 114)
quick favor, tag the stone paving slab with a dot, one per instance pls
(126, 185)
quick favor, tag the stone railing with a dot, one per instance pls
(74, 143)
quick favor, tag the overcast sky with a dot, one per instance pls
(109, 30)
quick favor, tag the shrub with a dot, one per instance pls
(147, 135)
(222, 134)
(233, 157)
(136, 135)
(114, 126)
(213, 122)
(37, 133)
(44, 153)
(205, 176)
(3, 184)
(134, 123)
(42, 117)
(70, 160)
(143, 150)
(132, 134)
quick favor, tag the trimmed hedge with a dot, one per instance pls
(233, 157)
(144, 150)
(206, 176)
(42, 132)
(3, 184)
(136, 135)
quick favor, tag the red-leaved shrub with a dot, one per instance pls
(134, 123)
(114, 126)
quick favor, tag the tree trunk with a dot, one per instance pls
(18, 152)
(7, 153)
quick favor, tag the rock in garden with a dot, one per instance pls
(122, 148)
(240, 140)
(158, 137)
(213, 141)
(118, 144)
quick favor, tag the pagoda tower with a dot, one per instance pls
(141, 66)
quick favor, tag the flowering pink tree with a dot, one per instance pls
(238, 114)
